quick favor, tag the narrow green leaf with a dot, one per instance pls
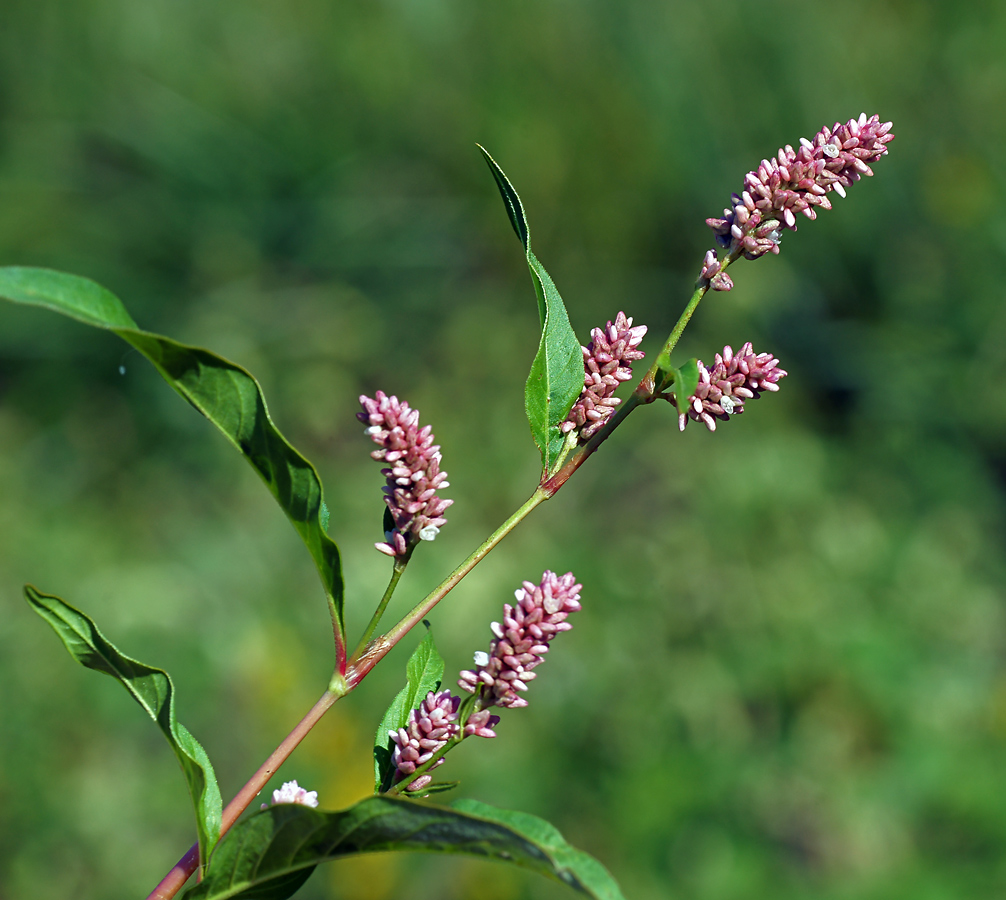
(269, 855)
(423, 673)
(225, 393)
(556, 377)
(153, 690)
(514, 208)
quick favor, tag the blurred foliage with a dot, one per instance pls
(789, 678)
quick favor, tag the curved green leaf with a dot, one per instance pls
(556, 377)
(228, 395)
(423, 673)
(269, 855)
(152, 689)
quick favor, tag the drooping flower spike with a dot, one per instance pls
(606, 362)
(794, 182)
(733, 379)
(413, 473)
(522, 640)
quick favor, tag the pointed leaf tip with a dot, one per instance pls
(514, 208)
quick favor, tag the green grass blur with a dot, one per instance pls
(789, 677)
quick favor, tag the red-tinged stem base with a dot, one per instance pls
(173, 882)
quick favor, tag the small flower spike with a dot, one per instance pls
(797, 181)
(606, 365)
(291, 792)
(428, 730)
(522, 640)
(413, 472)
(734, 378)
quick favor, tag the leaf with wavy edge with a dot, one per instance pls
(228, 395)
(269, 855)
(152, 689)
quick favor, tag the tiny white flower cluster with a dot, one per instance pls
(291, 792)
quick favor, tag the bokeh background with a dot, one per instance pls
(789, 678)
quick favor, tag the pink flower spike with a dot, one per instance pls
(796, 181)
(413, 474)
(522, 640)
(606, 364)
(733, 379)
(428, 730)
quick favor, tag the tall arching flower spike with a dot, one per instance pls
(606, 365)
(522, 639)
(735, 378)
(797, 181)
(413, 473)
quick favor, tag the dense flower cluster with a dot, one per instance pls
(797, 181)
(606, 365)
(734, 378)
(413, 472)
(522, 639)
(428, 730)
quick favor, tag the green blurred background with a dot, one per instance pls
(789, 677)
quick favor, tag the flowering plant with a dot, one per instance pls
(572, 409)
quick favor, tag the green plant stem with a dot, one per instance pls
(183, 869)
(375, 651)
(646, 388)
(396, 574)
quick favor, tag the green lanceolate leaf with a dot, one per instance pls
(223, 392)
(423, 673)
(269, 855)
(556, 377)
(153, 690)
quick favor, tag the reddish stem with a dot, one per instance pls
(173, 882)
